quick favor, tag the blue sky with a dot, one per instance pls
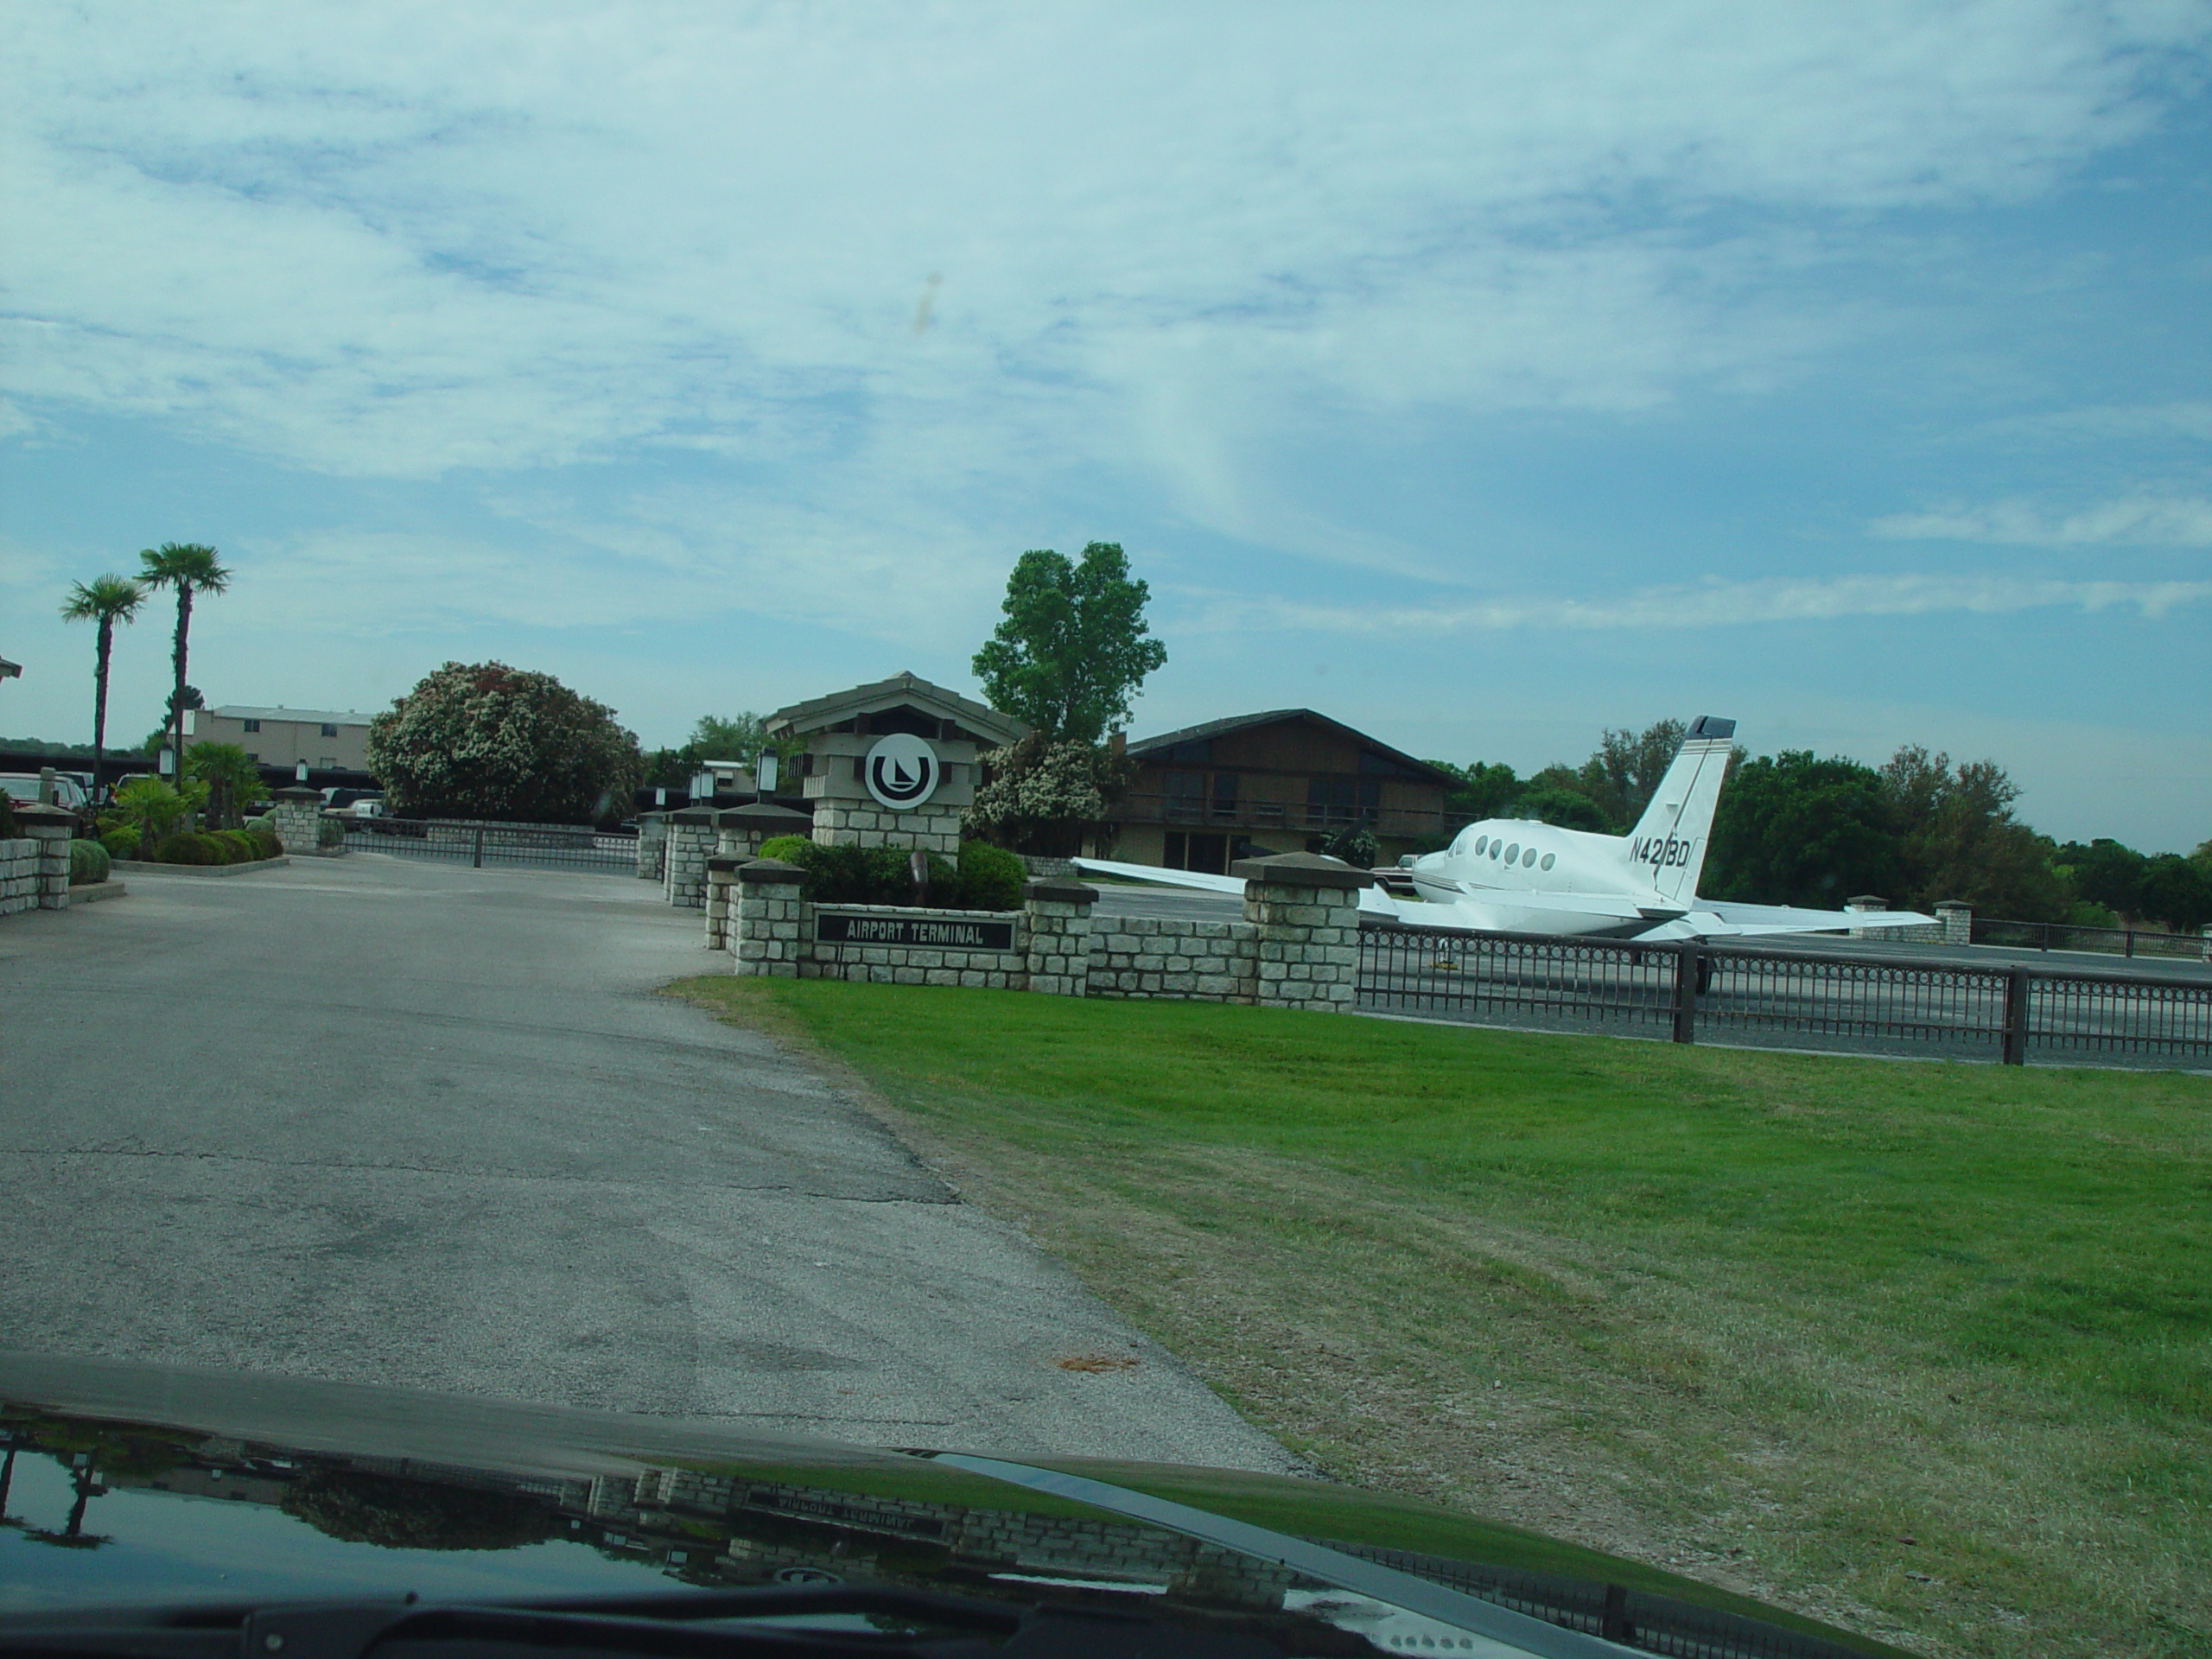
(1483, 375)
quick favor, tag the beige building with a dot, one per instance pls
(326, 739)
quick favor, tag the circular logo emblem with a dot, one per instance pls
(900, 771)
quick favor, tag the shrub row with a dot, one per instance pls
(985, 878)
(207, 847)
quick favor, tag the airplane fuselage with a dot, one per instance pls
(1510, 866)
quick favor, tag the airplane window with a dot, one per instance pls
(1493, 849)
(1528, 857)
(1513, 852)
(1550, 859)
(1482, 845)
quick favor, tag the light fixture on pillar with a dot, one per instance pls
(703, 785)
(167, 761)
(764, 776)
(301, 771)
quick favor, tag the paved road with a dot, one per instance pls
(375, 1120)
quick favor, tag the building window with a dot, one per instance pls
(1336, 802)
(328, 763)
(329, 730)
(251, 756)
(251, 725)
(1186, 800)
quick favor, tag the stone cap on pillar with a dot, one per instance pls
(1302, 870)
(771, 870)
(768, 819)
(703, 815)
(1866, 901)
(723, 863)
(1059, 889)
(298, 793)
(35, 817)
(1942, 904)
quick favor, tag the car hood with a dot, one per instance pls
(128, 1484)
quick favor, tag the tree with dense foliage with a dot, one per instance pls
(2177, 891)
(1478, 792)
(1074, 649)
(485, 741)
(1044, 797)
(1793, 830)
(1623, 774)
(741, 736)
(1957, 839)
(2104, 873)
(233, 781)
(104, 601)
(191, 570)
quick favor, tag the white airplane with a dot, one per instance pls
(1516, 875)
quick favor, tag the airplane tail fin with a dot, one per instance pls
(1669, 839)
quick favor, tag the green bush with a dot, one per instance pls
(265, 842)
(986, 878)
(10, 829)
(328, 832)
(120, 841)
(244, 850)
(990, 877)
(182, 847)
(88, 863)
(264, 821)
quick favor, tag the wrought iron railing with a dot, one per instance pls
(1761, 995)
(484, 845)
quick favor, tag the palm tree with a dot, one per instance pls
(190, 568)
(107, 601)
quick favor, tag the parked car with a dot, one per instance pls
(23, 786)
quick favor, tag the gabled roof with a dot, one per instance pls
(320, 716)
(1152, 746)
(839, 705)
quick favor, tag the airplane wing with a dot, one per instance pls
(1199, 879)
(1710, 920)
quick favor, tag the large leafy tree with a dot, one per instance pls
(2177, 891)
(1046, 798)
(1623, 774)
(106, 602)
(1957, 839)
(2105, 872)
(1795, 829)
(485, 741)
(1074, 647)
(191, 570)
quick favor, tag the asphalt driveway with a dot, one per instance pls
(376, 1120)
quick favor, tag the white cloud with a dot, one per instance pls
(405, 240)
(1720, 604)
(2137, 521)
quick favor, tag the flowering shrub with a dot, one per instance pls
(484, 740)
(1043, 797)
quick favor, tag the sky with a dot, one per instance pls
(1481, 375)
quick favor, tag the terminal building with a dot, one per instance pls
(1284, 781)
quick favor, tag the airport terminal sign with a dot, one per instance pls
(936, 932)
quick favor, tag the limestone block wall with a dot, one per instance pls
(945, 960)
(297, 815)
(47, 830)
(722, 886)
(764, 935)
(19, 883)
(933, 828)
(1195, 961)
(1306, 911)
(652, 846)
(690, 844)
(1957, 922)
(1059, 935)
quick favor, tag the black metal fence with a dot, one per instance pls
(1759, 995)
(495, 846)
(2100, 941)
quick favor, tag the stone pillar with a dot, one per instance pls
(1306, 910)
(652, 845)
(51, 828)
(1059, 935)
(740, 830)
(721, 878)
(298, 817)
(1863, 902)
(1958, 921)
(933, 828)
(690, 844)
(2207, 931)
(766, 935)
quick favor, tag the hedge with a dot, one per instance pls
(986, 878)
(88, 863)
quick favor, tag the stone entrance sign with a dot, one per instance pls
(893, 764)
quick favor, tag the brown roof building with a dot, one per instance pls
(1280, 782)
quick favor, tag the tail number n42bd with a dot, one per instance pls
(1658, 854)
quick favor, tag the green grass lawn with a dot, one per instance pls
(1924, 1349)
